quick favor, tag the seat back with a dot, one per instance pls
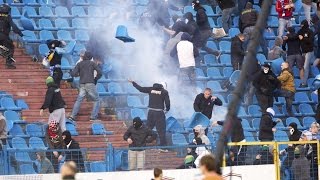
(178, 139)
(36, 143)
(135, 112)
(16, 130)
(98, 129)
(19, 143)
(34, 130)
(27, 169)
(122, 34)
(72, 128)
(11, 116)
(98, 166)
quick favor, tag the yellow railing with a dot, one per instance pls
(276, 158)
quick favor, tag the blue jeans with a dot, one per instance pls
(226, 19)
(90, 90)
(283, 24)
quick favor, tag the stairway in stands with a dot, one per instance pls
(28, 82)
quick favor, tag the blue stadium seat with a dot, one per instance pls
(62, 12)
(30, 12)
(46, 35)
(295, 71)
(68, 49)
(225, 59)
(261, 58)
(46, 24)
(314, 71)
(306, 110)
(295, 120)
(15, 13)
(233, 32)
(212, 23)
(227, 71)
(79, 23)
(135, 112)
(43, 49)
(297, 83)
(277, 111)
(30, 37)
(301, 97)
(22, 156)
(269, 35)
(249, 136)
(81, 35)
(115, 88)
(47, 3)
(179, 139)
(209, 10)
(211, 138)
(234, 78)
(80, 2)
(78, 48)
(200, 75)
(65, 65)
(225, 46)
(254, 111)
(210, 60)
(78, 11)
(12, 116)
(102, 90)
(214, 73)
(246, 126)
(98, 166)
(281, 136)
(215, 86)
(72, 128)
(135, 102)
(256, 123)
(31, 2)
(174, 126)
(27, 169)
(95, 12)
(197, 119)
(65, 35)
(189, 9)
(235, 22)
(27, 24)
(141, 2)
(242, 113)
(34, 130)
(273, 22)
(36, 143)
(99, 129)
(8, 104)
(284, 110)
(212, 45)
(45, 11)
(122, 34)
(16, 131)
(19, 143)
(62, 24)
(191, 137)
(307, 121)
(218, 10)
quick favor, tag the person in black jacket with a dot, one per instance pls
(266, 127)
(163, 16)
(294, 55)
(55, 103)
(295, 134)
(265, 82)
(138, 135)
(306, 37)
(159, 104)
(204, 103)
(85, 69)
(73, 152)
(227, 7)
(264, 156)
(6, 44)
(55, 60)
(237, 51)
(204, 27)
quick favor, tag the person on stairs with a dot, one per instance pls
(85, 69)
(55, 103)
(6, 44)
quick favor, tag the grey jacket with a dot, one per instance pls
(301, 165)
(3, 127)
(85, 69)
(45, 164)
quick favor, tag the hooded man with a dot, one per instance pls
(199, 132)
(193, 29)
(267, 125)
(73, 152)
(55, 103)
(227, 7)
(159, 104)
(45, 166)
(55, 60)
(306, 37)
(237, 51)
(138, 135)
(300, 165)
(86, 70)
(265, 82)
(295, 134)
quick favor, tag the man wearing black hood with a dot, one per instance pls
(237, 51)
(306, 37)
(159, 104)
(73, 152)
(85, 69)
(204, 27)
(227, 7)
(265, 82)
(266, 127)
(137, 136)
(295, 134)
(55, 103)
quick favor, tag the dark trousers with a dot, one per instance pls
(205, 34)
(264, 101)
(158, 119)
(57, 76)
(189, 73)
(288, 95)
(7, 42)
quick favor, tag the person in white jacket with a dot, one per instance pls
(186, 53)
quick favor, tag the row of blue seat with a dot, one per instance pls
(44, 35)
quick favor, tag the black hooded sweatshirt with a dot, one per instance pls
(53, 99)
(158, 96)
(225, 4)
(265, 128)
(295, 136)
(248, 17)
(70, 153)
(237, 134)
(308, 37)
(205, 106)
(266, 83)
(293, 42)
(193, 29)
(202, 18)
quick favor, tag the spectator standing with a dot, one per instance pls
(55, 103)
(285, 9)
(3, 131)
(55, 141)
(306, 37)
(237, 51)
(265, 82)
(276, 51)
(163, 16)
(85, 69)
(73, 152)
(205, 101)
(227, 7)
(247, 21)
(55, 60)
(264, 156)
(307, 5)
(267, 125)
(6, 24)
(45, 166)
(300, 164)
(137, 136)
(295, 134)
(312, 154)
(159, 104)
(294, 55)
(287, 87)
(208, 168)
(199, 132)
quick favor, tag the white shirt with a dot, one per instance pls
(185, 54)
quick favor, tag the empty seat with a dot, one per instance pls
(43, 49)
(46, 24)
(134, 101)
(233, 32)
(46, 11)
(78, 11)
(99, 129)
(27, 169)
(15, 13)
(8, 103)
(101, 90)
(307, 121)
(12, 116)
(225, 60)
(256, 123)
(95, 11)
(284, 110)
(197, 119)
(98, 166)
(30, 11)
(200, 75)
(79, 23)
(214, 73)
(65, 35)
(306, 110)
(36, 143)
(301, 97)
(225, 46)
(16, 130)
(227, 71)
(65, 65)
(62, 12)
(210, 60)
(19, 143)
(249, 136)
(30, 36)
(72, 128)
(179, 139)
(242, 113)
(215, 86)
(281, 136)
(62, 24)
(115, 88)
(80, 2)
(81, 35)
(135, 112)
(46, 35)
(212, 45)
(254, 111)
(34, 130)
(246, 126)
(290, 120)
